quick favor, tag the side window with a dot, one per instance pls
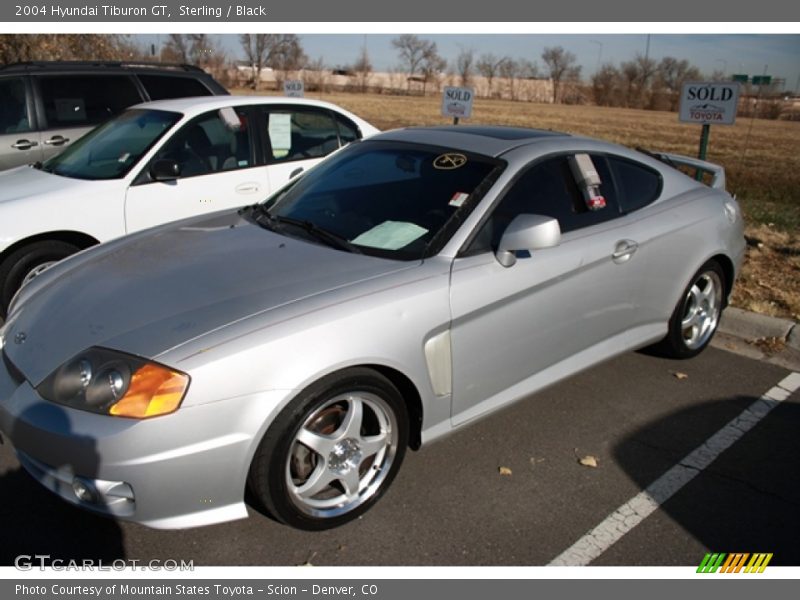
(161, 87)
(214, 142)
(300, 134)
(639, 185)
(548, 188)
(76, 101)
(348, 131)
(14, 116)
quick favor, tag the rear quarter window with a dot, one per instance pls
(638, 185)
(164, 87)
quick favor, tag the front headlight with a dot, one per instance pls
(113, 383)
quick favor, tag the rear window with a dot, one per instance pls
(163, 87)
(80, 100)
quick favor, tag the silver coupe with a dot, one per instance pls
(405, 287)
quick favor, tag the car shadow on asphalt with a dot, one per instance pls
(35, 521)
(747, 500)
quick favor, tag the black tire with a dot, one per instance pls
(353, 466)
(17, 265)
(683, 341)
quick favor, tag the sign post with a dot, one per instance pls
(457, 103)
(707, 103)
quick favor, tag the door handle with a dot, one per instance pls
(250, 187)
(623, 250)
(24, 144)
(56, 140)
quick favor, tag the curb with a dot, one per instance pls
(750, 326)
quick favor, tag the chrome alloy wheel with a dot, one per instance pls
(701, 310)
(341, 454)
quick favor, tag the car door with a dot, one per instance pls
(556, 309)
(71, 105)
(297, 138)
(215, 154)
(20, 144)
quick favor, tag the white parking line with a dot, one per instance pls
(638, 508)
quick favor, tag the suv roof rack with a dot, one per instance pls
(71, 64)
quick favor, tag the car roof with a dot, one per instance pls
(481, 139)
(81, 66)
(195, 105)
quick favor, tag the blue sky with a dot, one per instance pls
(730, 53)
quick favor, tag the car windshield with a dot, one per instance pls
(391, 199)
(112, 149)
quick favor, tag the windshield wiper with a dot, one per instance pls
(328, 237)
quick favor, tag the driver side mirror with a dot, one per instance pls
(165, 170)
(527, 232)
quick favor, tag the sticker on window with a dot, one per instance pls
(390, 235)
(449, 161)
(458, 199)
(280, 134)
(70, 109)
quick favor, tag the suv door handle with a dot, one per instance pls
(623, 250)
(56, 140)
(24, 144)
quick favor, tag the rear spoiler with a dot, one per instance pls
(678, 160)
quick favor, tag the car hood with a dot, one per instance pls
(148, 293)
(25, 182)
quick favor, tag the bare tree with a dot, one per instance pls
(488, 66)
(432, 66)
(362, 70)
(412, 50)
(176, 49)
(605, 85)
(281, 52)
(558, 62)
(511, 70)
(465, 63)
(25, 47)
(315, 76)
(672, 73)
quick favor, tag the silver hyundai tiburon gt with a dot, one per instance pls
(406, 286)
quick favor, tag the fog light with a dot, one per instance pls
(84, 491)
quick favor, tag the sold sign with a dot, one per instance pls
(709, 102)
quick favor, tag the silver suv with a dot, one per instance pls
(44, 106)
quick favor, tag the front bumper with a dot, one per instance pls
(181, 470)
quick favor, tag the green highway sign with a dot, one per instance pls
(762, 79)
(740, 78)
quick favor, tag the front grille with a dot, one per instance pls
(16, 374)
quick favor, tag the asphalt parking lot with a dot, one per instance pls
(638, 415)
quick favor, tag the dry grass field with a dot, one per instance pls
(761, 159)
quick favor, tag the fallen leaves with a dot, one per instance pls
(679, 375)
(588, 461)
(504, 471)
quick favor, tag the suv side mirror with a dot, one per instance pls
(165, 170)
(527, 232)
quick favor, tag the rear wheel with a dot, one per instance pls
(697, 315)
(26, 263)
(332, 452)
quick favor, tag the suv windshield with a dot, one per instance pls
(391, 199)
(111, 150)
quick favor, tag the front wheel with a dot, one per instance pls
(697, 315)
(332, 452)
(26, 263)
